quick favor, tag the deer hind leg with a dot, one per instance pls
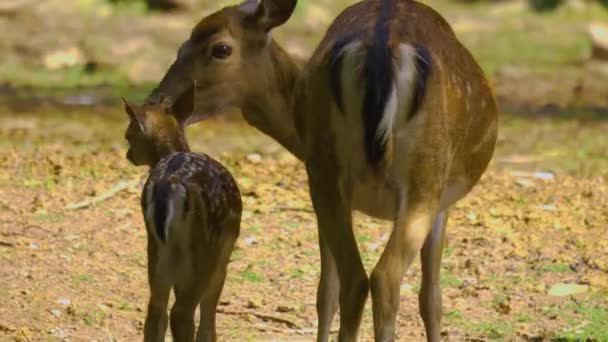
(159, 279)
(212, 288)
(187, 297)
(409, 233)
(334, 223)
(429, 297)
(328, 292)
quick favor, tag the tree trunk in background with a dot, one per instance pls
(168, 5)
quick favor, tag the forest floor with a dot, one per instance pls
(526, 256)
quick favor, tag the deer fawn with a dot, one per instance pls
(192, 210)
(392, 117)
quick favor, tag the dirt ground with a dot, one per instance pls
(79, 274)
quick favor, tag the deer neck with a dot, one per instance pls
(270, 108)
(168, 146)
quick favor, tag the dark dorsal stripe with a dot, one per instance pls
(160, 198)
(175, 163)
(378, 72)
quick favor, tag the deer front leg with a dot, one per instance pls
(334, 222)
(155, 326)
(409, 233)
(429, 298)
(327, 292)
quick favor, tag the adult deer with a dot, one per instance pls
(392, 117)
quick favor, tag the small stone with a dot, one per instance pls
(544, 175)
(64, 301)
(524, 183)
(56, 313)
(285, 308)
(254, 158)
(251, 241)
(254, 303)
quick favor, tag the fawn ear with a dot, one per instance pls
(183, 107)
(133, 115)
(268, 14)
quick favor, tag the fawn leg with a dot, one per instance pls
(160, 281)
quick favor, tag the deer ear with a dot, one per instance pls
(269, 14)
(133, 115)
(128, 108)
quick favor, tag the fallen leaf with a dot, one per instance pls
(563, 289)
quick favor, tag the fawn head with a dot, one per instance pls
(154, 131)
(229, 56)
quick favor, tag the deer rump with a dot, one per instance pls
(166, 209)
(390, 80)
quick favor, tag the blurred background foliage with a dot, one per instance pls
(131, 42)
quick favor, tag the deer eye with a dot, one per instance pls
(221, 51)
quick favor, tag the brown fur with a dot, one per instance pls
(435, 158)
(193, 257)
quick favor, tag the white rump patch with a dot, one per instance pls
(403, 90)
(175, 207)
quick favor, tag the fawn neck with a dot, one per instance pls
(164, 146)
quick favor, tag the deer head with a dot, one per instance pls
(155, 130)
(233, 61)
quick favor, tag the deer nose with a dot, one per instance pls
(158, 98)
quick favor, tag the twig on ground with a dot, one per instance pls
(6, 244)
(104, 196)
(304, 210)
(8, 207)
(26, 228)
(262, 316)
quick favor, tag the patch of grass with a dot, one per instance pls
(254, 229)
(494, 330)
(499, 299)
(448, 280)
(593, 325)
(251, 276)
(237, 255)
(71, 77)
(454, 317)
(448, 251)
(296, 273)
(556, 268)
(50, 218)
(94, 318)
(83, 278)
(524, 318)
